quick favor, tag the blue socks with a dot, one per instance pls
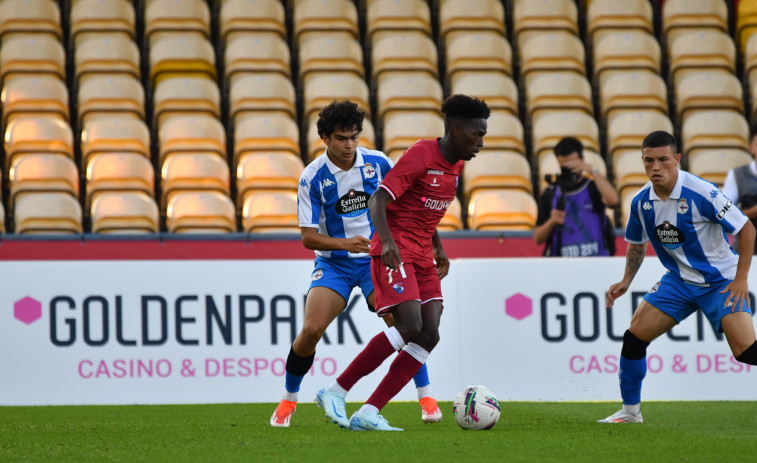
(421, 378)
(631, 374)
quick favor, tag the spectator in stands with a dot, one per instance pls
(741, 185)
(572, 219)
(332, 203)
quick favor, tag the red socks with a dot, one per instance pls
(403, 368)
(376, 351)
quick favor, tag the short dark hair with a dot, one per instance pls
(658, 139)
(340, 115)
(465, 107)
(568, 146)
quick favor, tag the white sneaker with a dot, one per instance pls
(370, 422)
(623, 416)
(333, 403)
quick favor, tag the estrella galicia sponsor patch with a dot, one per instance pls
(317, 274)
(353, 204)
(669, 235)
(399, 287)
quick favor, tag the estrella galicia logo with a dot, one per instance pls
(399, 287)
(669, 235)
(353, 204)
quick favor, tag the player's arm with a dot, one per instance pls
(442, 263)
(314, 240)
(634, 257)
(390, 254)
(739, 288)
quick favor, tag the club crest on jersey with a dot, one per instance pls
(317, 275)
(646, 206)
(353, 204)
(368, 170)
(682, 206)
(434, 183)
(655, 287)
(669, 235)
(399, 287)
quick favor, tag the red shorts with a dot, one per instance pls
(391, 288)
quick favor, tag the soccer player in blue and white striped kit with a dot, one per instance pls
(333, 215)
(686, 220)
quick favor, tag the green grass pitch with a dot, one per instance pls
(526, 432)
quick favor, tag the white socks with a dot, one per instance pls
(335, 387)
(394, 337)
(635, 408)
(424, 391)
(369, 409)
(290, 396)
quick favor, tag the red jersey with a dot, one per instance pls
(422, 185)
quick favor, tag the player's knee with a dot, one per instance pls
(749, 356)
(311, 333)
(633, 347)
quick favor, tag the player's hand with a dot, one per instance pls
(390, 255)
(557, 216)
(442, 263)
(738, 296)
(357, 244)
(615, 291)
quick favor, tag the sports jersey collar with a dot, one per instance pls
(333, 168)
(675, 194)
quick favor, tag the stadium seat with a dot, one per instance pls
(498, 90)
(404, 52)
(452, 220)
(477, 52)
(715, 129)
(402, 129)
(118, 134)
(563, 91)
(550, 128)
(708, 90)
(118, 171)
(680, 16)
(750, 65)
(42, 173)
(37, 135)
(629, 128)
(193, 171)
(22, 55)
(412, 91)
(266, 92)
(129, 212)
(200, 212)
(556, 51)
(2, 218)
(191, 134)
(504, 132)
(532, 18)
(251, 52)
(185, 96)
(324, 16)
(322, 89)
(609, 16)
(47, 213)
(316, 146)
(393, 16)
(700, 50)
(164, 17)
(625, 51)
(267, 171)
(102, 18)
(496, 169)
(629, 172)
(242, 16)
(633, 90)
(502, 209)
(266, 133)
(181, 55)
(270, 212)
(110, 95)
(106, 54)
(713, 165)
(330, 52)
(38, 95)
(464, 16)
(746, 22)
(23, 16)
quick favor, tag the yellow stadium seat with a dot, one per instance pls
(496, 169)
(402, 129)
(2, 218)
(181, 55)
(619, 52)
(502, 209)
(746, 22)
(109, 95)
(24, 54)
(393, 16)
(324, 16)
(504, 132)
(452, 220)
(38, 95)
(118, 171)
(630, 174)
(322, 89)
(270, 212)
(532, 18)
(404, 52)
(464, 16)
(191, 134)
(47, 214)
(715, 129)
(184, 96)
(242, 16)
(264, 133)
(700, 50)
(42, 173)
(251, 52)
(268, 92)
(713, 165)
(628, 129)
(330, 52)
(200, 212)
(267, 171)
(625, 205)
(316, 146)
(23, 16)
(556, 51)
(106, 54)
(480, 51)
(633, 90)
(193, 171)
(172, 16)
(558, 90)
(95, 18)
(37, 135)
(498, 90)
(605, 16)
(679, 16)
(120, 134)
(411, 91)
(552, 127)
(125, 212)
(706, 90)
(750, 65)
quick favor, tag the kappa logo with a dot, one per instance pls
(326, 183)
(317, 274)
(304, 183)
(646, 206)
(399, 287)
(682, 206)
(368, 170)
(714, 194)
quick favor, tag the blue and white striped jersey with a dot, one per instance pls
(336, 201)
(688, 230)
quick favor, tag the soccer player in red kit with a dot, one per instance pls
(408, 261)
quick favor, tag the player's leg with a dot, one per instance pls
(739, 331)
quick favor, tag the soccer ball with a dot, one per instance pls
(476, 407)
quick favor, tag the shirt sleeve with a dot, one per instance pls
(635, 231)
(720, 209)
(308, 203)
(402, 176)
(545, 205)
